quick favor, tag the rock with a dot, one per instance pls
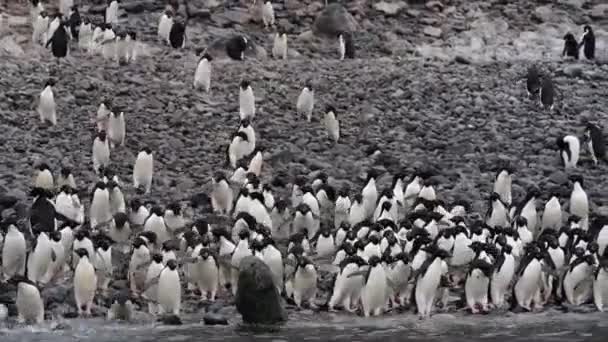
(574, 70)
(543, 13)
(231, 17)
(215, 319)
(257, 299)
(170, 320)
(334, 19)
(3, 312)
(389, 8)
(462, 60)
(8, 46)
(599, 12)
(432, 31)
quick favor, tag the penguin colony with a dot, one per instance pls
(400, 248)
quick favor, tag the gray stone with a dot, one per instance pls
(574, 70)
(432, 31)
(334, 19)
(257, 299)
(389, 8)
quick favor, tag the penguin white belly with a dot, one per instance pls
(528, 284)
(30, 307)
(103, 266)
(373, 296)
(222, 198)
(600, 289)
(371, 250)
(116, 126)
(325, 245)
(207, 278)
(39, 261)
(142, 172)
(247, 103)
(46, 108)
(418, 260)
(399, 276)
(426, 288)
(273, 259)
(202, 76)
(55, 266)
(602, 240)
(13, 254)
(476, 290)
(304, 287)
(345, 287)
(573, 280)
(305, 103)
(501, 280)
(85, 285)
(461, 254)
(279, 47)
(169, 292)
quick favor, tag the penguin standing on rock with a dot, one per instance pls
(346, 46)
(46, 106)
(169, 289)
(569, 150)
(30, 306)
(332, 125)
(112, 12)
(570, 46)
(533, 81)
(595, 142)
(44, 178)
(588, 43)
(143, 170)
(13, 251)
(306, 101)
(579, 202)
(101, 151)
(547, 93)
(221, 196)
(177, 34)
(208, 274)
(477, 284)
(202, 75)
(279, 45)
(305, 283)
(502, 184)
(246, 101)
(164, 26)
(268, 14)
(116, 129)
(427, 281)
(236, 46)
(373, 295)
(85, 283)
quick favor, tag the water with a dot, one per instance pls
(543, 327)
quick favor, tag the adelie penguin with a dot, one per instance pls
(202, 75)
(246, 101)
(588, 43)
(120, 46)
(139, 258)
(279, 45)
(502, 275)
(143, 170)
(121, 308)
(600, 284)
(46, 106)
(221, 196)
(13, 251)
(346, 46)
(112, 12)
(42, 211)
(427, 280)
(305, 283)
(569, 150)
(207, 274)
(164, 26)
(30, 306)
(533, 81)
(332, 125)
(236, 46)
(101, 151)
(373, 295)
(579, 201)
(267, 13)
(41, 25)
(169, 289)
(547, 93)
(74, 22)
(306, 101)
(552, 214)
(116, 129)
(477, 285)
(570, 46)
(177, 34)
(348, 284)
(85, 283)
(44, 177)
(595, 142)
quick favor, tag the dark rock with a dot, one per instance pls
(215, 319)
(334, 19)
(462, 60)
(170, 320)
(257, 299)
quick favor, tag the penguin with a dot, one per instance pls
(103, 264)
(552, 214)
(108, 42)
(66, 178)
(132, 46)
(528, 277)
(579, 271)
(121, 308)
(100, 211)
(427, 191)
(357, 212)
(347, 289)
(169, 289)
(579, 201)
(370, 194)
(174, 219)
(44, 177)
(238, 148)
(143, 170)
(281, 220)
(387, 207)
(595, 142)
(120, 230)
(169, 249)
(398, 276)
(547, 93)
(101, 151)
(569, 150)
(533, 81)
(236, 46)
(255, 165)
(208, 274)
(600, 285)
(85, 283)
(74, 21)
(65, 5)
(279, 45)
(241, 250)
(267, 14)
(258, 210)
(372, 248)
(46, 106)
(103, 117)
(120, 46)
(53, 25)
(268, 197)
(226, 249)
(502, 184)
(477, 284)
(112, 12)
(221, 196)
(306, 101)
(332, 125)
(412, 190)
(273, 258)
(311, 201)
(527, 209)
(325, 242)
(502, 275)
(42, 211)
(35, 8)
(82, 240)
(13, 251)
(245, 127)
(588, 43)
(41, 25)
(497, 212)
(164, 26)
(139, 258)
(138, 213)
(246, 101)
(117, 199)
(177, 34)
(40, 257)
(373, 295)
(600, 225)
(570, 46)
(305, 283)
(58, 259)
(202, 75)
(59, 42)
(555, 258)
(341, 208)
(156, 223)
(427, 281)
(96, 39)
(85, 34)
(346, 46)
(30, 306)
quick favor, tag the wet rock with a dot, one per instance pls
(170, 320)
(389, 8)
(334, 19)
(257, 299)
(215, 319)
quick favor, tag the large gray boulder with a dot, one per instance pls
(257, 299)
(333, 20)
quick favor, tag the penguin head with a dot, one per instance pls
(82, 252)
(574, 219)
(122, 35)
(441, 254)
(245, 123)
(374, 260)
(120, 219)
(587, 30)
(532, 72)
(43, 167)
(172, 264)
(81, 234)
(201, 226)
(371, 174)
(351, 235)
(170, 245)
(148, 150)
(65, 172)
(569, 37)
(220, 232)
(349, 249)
(576, 179)
(305, 263)
(156, 210)
(149, 237)
(345, 226)
(101, 135)
(303, 208)
(204, 253)
(241, 135)
(325, 231)
(257, 197)
(359, 245)
(244, 84)
(358, 198)
(169, 12)
(494, 196)
(244, 234)
(257, 245)
(593, 247)
(579, 252)
(103, 243)
(132, 34)
(49, 83)
(206, 56)
(56, 236)
(219, 176)
(374, 240)
(138, 242)
(174, 208)
(300, 181)
(296, 249)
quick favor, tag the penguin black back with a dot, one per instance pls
(59, 42)
(74, 22)
(597, 141)
(349, 45)
(570, 46)
(235, 47)
(588, 42)
(177, 35)
(533, 80)
(547, 92)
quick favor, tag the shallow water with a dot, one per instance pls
(547, 326)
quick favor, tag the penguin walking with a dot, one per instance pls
(139, 258)
(44, 178)
(373, 295)
(346, 46)
(569, 149)
(246, 101)
(502, 184)
(132, 46)
(221, 196)
(108, 44)
(46, 106)
(116, 129)
(100, 211)
(552, 214)
(305, 283)
(59, 42)
(588, 43)
(40, 258)
(101, 151)
(311, 201)
(30, 306)
(370, 194)
(477, 284)
(112, 12)
(74, 21)
(600, 285)
(85, 283)
(348, 286)
(332, 125)
(207, 279)
(575, 278)
(268, 14)
(570, 46)
(306, 101)
(85, 34)
(547, 93)
(177, 34)
(533, 81)
(66, 178)
(169, 289)
(202, 75)
(427, 281)
(58, 259)
(497, 215)
(120, 231)
(164, 26)
(13, 251)
(143, 170)
(279, 45)
(152, 273)
(41, 25)
(156, 224)
(595, 142)
(579, 201)
(138, 213)
(120, 48)
(341, 208)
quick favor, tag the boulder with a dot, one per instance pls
(333, 20)
(257, 299)
(389, 8)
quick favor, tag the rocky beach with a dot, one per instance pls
(439, 83)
